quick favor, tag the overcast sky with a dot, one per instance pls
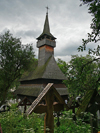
(69, 23)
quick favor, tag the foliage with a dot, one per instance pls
(67, 125)
(85, 102)
(14, 122)
(62, 65)
(15, 58)
(81, 74)
(94, 36)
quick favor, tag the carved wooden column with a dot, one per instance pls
(49, 119)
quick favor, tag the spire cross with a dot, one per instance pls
(47, 9)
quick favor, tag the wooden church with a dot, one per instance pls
(47, 70)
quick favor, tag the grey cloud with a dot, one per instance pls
(28, 33)
(25, 19)
(67, 50)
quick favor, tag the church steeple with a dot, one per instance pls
(46, 43)
(46, 30)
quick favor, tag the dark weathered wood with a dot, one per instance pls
(24, 103)
(49, 118)
(58, 106)
(40, 109)
(59, 98)
(26, 100)
(39, 98)
(48, 93)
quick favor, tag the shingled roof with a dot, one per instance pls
(48, 71)
(28, 91)
(36, 90)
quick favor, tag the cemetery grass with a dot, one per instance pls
(14, 121)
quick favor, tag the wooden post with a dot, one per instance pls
(25, 103)
(49, 118)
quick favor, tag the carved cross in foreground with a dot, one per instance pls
(48, 93)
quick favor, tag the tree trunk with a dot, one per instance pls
(94, 125)
(4, 96)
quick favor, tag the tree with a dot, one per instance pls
(62, 65)
(15, 58)
(81, 74)
(94, 36)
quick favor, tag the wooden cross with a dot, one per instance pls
(24, 103)
(48, 94)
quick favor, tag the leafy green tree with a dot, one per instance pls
(94, 36)
(81, 74)
(62, 65)
(15, 58)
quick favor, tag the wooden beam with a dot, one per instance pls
(49, 118)
(59, 98)
(58, 106)
(41, 109)
(39, 98)
(21, 103)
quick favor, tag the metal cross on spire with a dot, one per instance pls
(47, 9)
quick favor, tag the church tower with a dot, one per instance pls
(47, 71)
(46, 43)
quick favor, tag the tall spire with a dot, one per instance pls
(46, 29)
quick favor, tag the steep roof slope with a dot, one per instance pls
(48, 71)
